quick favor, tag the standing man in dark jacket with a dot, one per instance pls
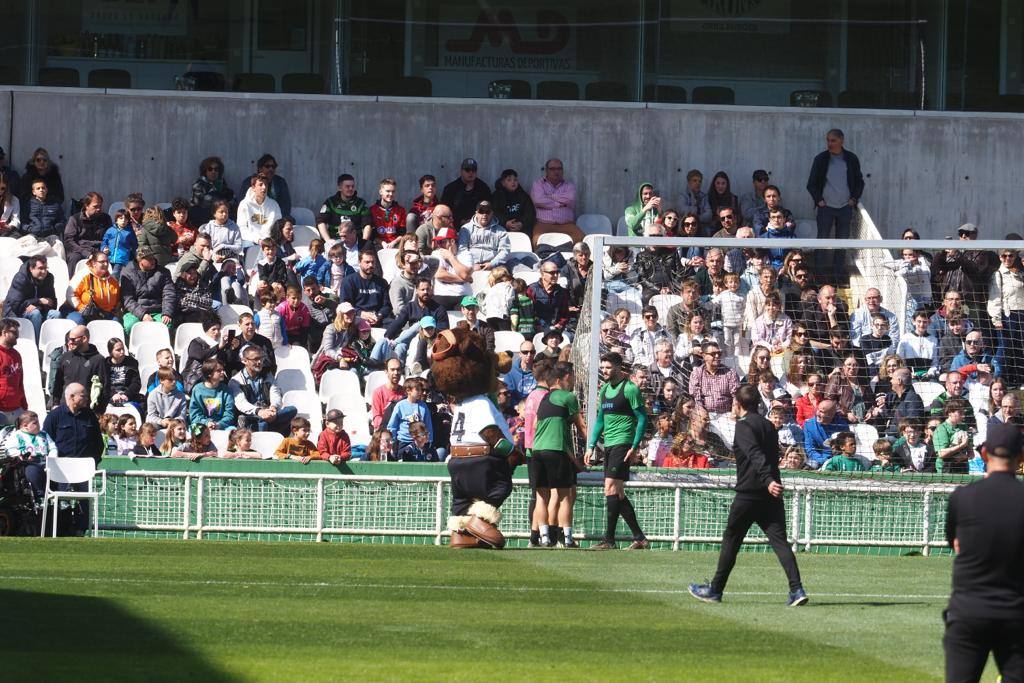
(147, 291)
(76, 432)
(465, 192)
(836, 185)
(84, 232)
(80, 364)
(758, 499)
(32, 295)
(985, 528)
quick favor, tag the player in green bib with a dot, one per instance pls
(555, 464)
(621, 420)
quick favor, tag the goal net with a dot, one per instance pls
(911, 347)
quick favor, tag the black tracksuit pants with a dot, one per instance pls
(767, 512)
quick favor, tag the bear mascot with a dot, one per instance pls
(482, 452)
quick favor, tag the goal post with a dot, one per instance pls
(906, 290)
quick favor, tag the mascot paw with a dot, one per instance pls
(486, 533)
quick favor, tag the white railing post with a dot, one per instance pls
(199, 506)
(808, 505)
(927, 522)
(439, 512)
(320, 509)
(794, 527)
(186, 512)
(675, 520)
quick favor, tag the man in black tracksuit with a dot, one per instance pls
(985, 528)
(758, 499)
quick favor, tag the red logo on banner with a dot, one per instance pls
(497, 26)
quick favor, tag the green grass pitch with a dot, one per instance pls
(83, 609)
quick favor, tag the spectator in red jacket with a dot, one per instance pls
(12, 373)
(387, 217)
(334, 444)
(807, 405)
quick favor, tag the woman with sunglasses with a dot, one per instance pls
(1006, 309)
(40, 167)
(277, 186)
(691, 257)
(210, 187)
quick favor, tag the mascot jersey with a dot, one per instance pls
(474, 415)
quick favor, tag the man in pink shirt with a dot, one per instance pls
(385, 394)
(555, 200)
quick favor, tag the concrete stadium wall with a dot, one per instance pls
(929, 170)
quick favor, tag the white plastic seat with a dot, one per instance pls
(594, 223)
(508, 341)
(114, 207)
(519, 241)
(928, 391)
(725, 427)
(357, 420)
(621, 229)
(304, 234)
(866, 435)
(308, 406)
(454, 317)
(377, 333)
(152, 332)
(292, 357)
(72, 471)
(663, 302)
(54, 330)
(303, 217)
(340, 382)
(293, 379)
(184, 335)
(375, 379)
(591, 241)
(230, 313)
(806, 230)
(388, 267)
(101, 331)
(265, 443)
(538, 341)
(529, 276)
(26, 330)
(145, 372)
(9, 267)
(125, 410)
(146, 353)
(219, 438)
(555, 239)
(58, 267)
(479, 283)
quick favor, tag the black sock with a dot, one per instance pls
(556, 534)
(629, 514)
(612, 503)
(534, 536)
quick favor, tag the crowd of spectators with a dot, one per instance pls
(354, 306)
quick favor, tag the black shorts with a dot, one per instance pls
(615, 465)
(552, 470)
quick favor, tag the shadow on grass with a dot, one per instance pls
(87, 638)
(868, 603)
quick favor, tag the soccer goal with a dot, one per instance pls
(872, 328)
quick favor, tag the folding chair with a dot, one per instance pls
(71, 471)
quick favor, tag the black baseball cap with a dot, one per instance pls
(469, 164)
(1003, 440)
(761, 174)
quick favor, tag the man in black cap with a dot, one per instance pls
(751, 201)
(465, 192)
(985, 528)
(758, 499)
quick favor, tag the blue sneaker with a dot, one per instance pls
(704, 592)
(797, 598)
